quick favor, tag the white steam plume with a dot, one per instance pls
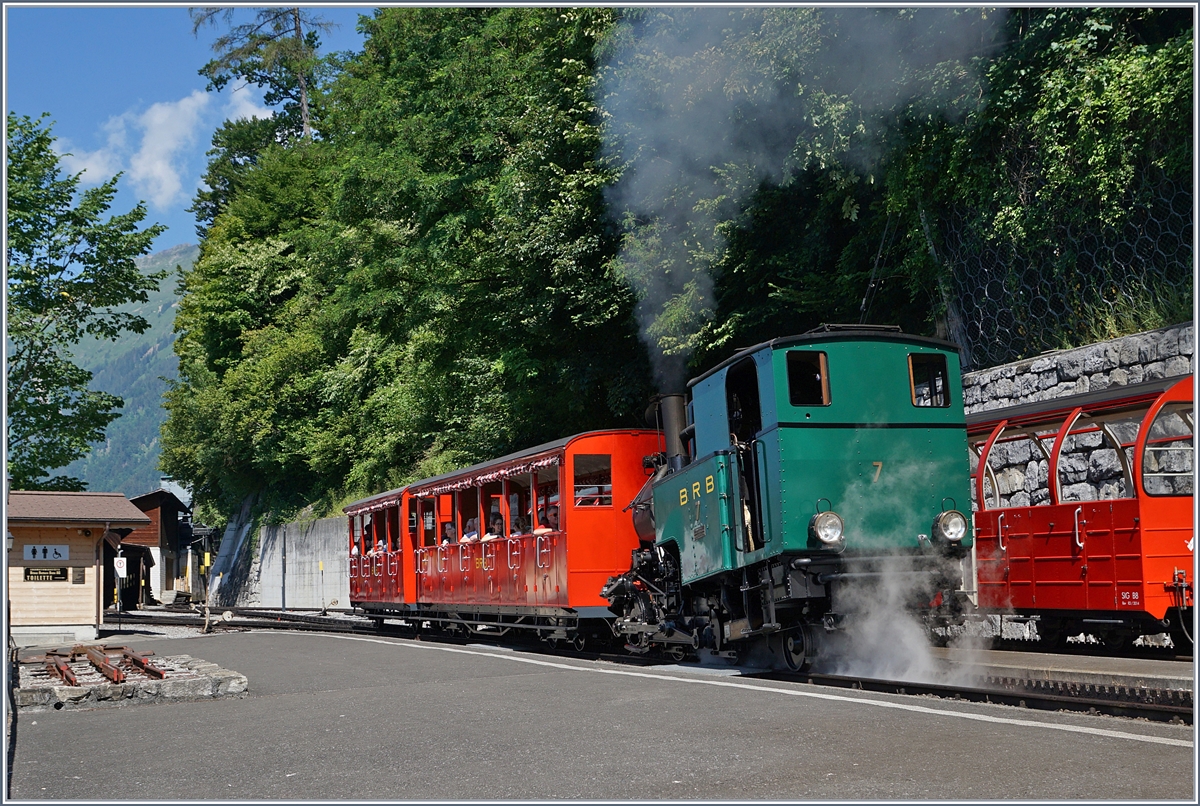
(703, 105)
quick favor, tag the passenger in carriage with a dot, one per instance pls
(549, 523)
(519, 526)
(495, 527)
(471, 531)
(448, 535)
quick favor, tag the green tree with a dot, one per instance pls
(274, 51)
(426, 284)
(68, 271)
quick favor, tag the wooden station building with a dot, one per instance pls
(56, 563)
(167, 538)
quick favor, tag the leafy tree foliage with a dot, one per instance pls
(236, 146)
(427, 284)
(500, 199)
(69, 269)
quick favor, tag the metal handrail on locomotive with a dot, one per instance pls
(799, 468)
(1088, 525)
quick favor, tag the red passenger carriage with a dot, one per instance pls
(1117, 566)
(530, 574)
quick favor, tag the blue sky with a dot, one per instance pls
(121, 84)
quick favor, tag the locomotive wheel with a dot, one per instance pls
(578, 642)
(796, 651)
(676, 652)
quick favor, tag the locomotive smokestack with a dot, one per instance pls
(674, 420)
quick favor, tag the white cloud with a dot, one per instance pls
(159, 148)
(103, 163)
(241, 104)
(167, 129)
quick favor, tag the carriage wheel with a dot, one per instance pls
(1052, 633)
(1181, 636)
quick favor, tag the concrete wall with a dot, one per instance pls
(1090, 468)
(290, 560)
(231, 578)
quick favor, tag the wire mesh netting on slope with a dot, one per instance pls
(1075, 281)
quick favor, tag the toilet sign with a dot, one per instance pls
(120, 567)
(44, 552)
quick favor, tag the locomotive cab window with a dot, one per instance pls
(929, 380)
(808, 378)
(593, 480)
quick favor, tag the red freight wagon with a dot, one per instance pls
(1097, 531)
(526, 541)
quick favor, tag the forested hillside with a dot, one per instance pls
(133, 368)
(513, 224)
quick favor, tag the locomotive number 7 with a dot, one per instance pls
(878, 470)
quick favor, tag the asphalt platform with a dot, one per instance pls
(334, 717)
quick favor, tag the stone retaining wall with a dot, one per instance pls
(1090, 466)
(1164, 353)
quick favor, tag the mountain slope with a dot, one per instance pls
(133, 367)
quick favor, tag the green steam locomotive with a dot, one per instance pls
(806, 477)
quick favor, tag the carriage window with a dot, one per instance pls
(546, 485)
(468, 512)
(393, 527)
(520, 513)
(593, 480)
(929, 379)
(1167, 461)
(808, 378)
(492, 494)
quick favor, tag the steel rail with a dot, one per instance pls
(1032, 699)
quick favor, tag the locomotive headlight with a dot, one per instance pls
(826, 527)
(950, 526)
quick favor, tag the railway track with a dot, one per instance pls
(1153, 705)
(1129, 702)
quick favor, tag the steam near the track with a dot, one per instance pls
(704, 105)
(885, 639)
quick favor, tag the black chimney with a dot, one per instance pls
(674, 420)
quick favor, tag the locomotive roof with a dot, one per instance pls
(1111, 400)
(827, 333)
